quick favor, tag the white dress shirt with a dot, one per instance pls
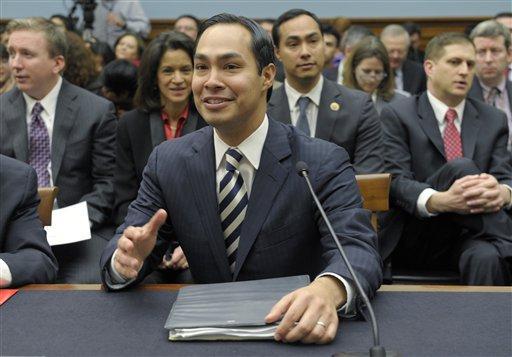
(440, 110)
(49, 103)
(399, 79)
(312, 108)
(251, 149)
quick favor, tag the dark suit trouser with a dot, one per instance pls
(478, 245)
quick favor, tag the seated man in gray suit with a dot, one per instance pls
(25, 256)
(65, 132)
(493, 55)
(317, 106)
(230, 195)
(452, 177)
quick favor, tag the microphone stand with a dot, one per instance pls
(376, 350)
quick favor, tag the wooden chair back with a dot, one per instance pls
(47, 195)
(375, 191)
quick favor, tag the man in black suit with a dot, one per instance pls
(493, 55)
(319, 107)
(409, 75)
(66, 133)
(232, 198)
(25, 256)
(452, 179)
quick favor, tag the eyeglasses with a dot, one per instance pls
(369, 73)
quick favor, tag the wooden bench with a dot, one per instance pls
(375, 191)
(47, 195)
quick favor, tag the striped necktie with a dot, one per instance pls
(39, 146)
(232, 204)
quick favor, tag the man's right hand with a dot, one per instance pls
(136, 243)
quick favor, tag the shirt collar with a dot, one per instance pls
(501, 86)
(251, 147)
(440, 108)
(314, 94)
(49, 102)
(183, 115)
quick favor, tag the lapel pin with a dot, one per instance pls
(334, 106)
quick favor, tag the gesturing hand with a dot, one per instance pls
(178, 260)
(309, 313)
(134, 246)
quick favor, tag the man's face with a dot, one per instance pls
(187, 26)
(34, 70)
(492, 58)
(450, 77)
(228, 91)
(330, 48)
(301, 49)
(415, 40)
(507, 21)
(397, 48)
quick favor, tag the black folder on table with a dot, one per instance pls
(228, 311)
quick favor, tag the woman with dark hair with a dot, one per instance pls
(164, 110)
(6, 80)
(367, 68)
(129, 47)
(80, 67)
(120, 84)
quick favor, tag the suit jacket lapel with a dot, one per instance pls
(65, 116)
(469, 129)
(267, 183)
(201, 172)
(279, 107)
(17, 125)
(508, 86)
(326, 116)
(156, 128)
(191, 123)
(428, 122)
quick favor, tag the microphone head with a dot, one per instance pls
(301, 168)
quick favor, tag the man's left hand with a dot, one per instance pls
(309, 314)
(485, 194)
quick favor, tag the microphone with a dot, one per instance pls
(377, 350)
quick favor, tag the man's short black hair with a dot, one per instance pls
(288, 15)
(330, 30)
(191, 17)
(261, 43)
(502, 15)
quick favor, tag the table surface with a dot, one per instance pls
(69, 320)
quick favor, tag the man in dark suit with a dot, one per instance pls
(319, 107)
(409, 75)
(493, 55)
(232, 199)
(25, 256)
(452, 179)
(66, 133)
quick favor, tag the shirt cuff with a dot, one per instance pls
(349, 307)
(509, 206)
(5, 274)
(115, 281)
(421, 203)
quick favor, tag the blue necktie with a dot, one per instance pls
(232, 204)
(303, 123)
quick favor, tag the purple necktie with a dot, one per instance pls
(39, 156)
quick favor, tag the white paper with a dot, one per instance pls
(69, 225)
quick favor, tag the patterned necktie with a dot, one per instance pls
(39, 149)
(232, 204)
(451, 137)
(303, 123)
(492, 96)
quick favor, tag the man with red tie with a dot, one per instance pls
(451, 187)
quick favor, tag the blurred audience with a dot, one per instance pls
(6, 79)
(367, 68)
(331, 44)
(119, 84)
(101, 53)
(414, 31)
(62, 22)
(129, 47)
(80, 66)
(409, 75)
(187, 24)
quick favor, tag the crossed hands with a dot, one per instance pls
(309, 314)
(471, 194)
(136, 243)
